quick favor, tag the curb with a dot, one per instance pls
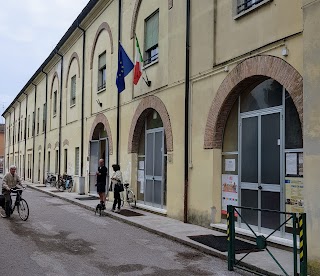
(159, 233)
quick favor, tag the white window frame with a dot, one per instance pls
(151, 53)
(73, 91)
(102, 72)
(254, 4)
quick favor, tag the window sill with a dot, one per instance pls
(101, 90)
(251, 9)
(73, 105)
(150, 64)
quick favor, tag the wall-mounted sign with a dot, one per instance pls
(230, 190)
(294, 196)
(230, 165)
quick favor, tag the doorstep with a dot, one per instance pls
(276, 241)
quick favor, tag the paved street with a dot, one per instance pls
(63, 239)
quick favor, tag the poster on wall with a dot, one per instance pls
(230, 165)
(294, 196)
(230, 191)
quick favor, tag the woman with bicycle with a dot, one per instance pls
(10, 180)
(116, 184)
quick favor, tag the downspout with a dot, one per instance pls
(186, 114)
(118, 98)
(19, 131)
(60, 113)
(25, 138)
(13, 134)
(45, 129)
(34, 129)
(82, 98)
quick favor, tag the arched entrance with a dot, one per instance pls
(256, 121)
(99, 149)
(262, 146)
(152, 162)
(150, 137)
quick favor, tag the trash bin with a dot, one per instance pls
(81, 185)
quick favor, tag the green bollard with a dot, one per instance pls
(231, 237)
(303, 244)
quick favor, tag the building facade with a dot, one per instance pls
(219, 118)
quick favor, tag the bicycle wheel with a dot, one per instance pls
(122, 198)
(70, 187)
(53, 183)
(131, 198)
(23, 209)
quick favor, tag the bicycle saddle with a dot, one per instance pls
(126, 185)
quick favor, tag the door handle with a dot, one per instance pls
(260, 187)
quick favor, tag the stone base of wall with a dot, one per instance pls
(313, 267)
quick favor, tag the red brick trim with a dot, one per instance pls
(101, 118)
(73, 56)
(136, 12)
(146, 106)
(248, 73)
(103, 26)
(55, 75)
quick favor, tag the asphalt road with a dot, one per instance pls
(63, 239)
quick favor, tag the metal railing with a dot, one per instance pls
(298, 223)
(247, 4)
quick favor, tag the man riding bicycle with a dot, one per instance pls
(10, 180)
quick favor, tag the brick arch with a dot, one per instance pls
(103, 26)
(56, 145)
(39, 148)
(66, 142)
(136, 12)
(101, 118)
(55, 75)
(49, 146)
(146, 105)
(73, 56)
(250, 72)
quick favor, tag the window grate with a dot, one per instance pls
(246, 4)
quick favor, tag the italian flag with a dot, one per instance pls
(137, 73)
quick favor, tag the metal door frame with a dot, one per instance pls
(157, 178)
(265, 187)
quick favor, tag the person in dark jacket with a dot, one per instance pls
(101, 182)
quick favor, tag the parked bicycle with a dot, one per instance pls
(20, 203)
(128, 196)
(51, 179)
(65, 182)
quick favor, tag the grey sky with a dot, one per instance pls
(29, 30)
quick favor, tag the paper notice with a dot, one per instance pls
(291, 164)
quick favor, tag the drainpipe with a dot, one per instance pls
(82, 97)
(19, 127)
(118, 98)
(45, 129)
(34, 130)
(60, 113)
(25, 138)
(13, 133)
(186, 115)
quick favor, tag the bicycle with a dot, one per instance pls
(129, 195)
(51, 180)
(65, 182)
(22, 205)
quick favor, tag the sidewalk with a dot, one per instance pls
(179, 231)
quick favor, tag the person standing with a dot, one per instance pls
(116, 179)
(10, 180)
(101, 182)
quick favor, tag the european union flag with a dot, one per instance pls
(125, 65)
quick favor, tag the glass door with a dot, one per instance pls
(94, 163)
(261, 169)
(154, 168)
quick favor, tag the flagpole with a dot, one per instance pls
(118, 98)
